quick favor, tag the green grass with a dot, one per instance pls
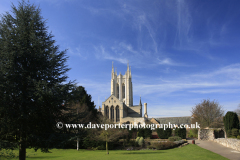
(187, 152)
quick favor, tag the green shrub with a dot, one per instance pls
(232, 137)
(145, 132)
(193, 133)
(238, 137)
(137, 139)
(141, 141)
(7, 153)
(235, 132)
(163, 145)
(160, 133)
(231, 121)
(175, 138)
(229, 133)
(164, 134)
(181, 132)
(133, 143)
(132, 134)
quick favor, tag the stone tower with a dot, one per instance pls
(121, 86)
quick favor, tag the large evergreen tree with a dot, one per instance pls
(231, 121)
(33, 91)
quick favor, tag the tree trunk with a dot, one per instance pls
(22, 150)
(107, 145)
(77, 143)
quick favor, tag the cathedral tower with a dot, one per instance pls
(121, 86)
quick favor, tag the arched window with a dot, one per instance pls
(123, 90)
(117, 91)
(112, 113)
(117, 114)
(107, 112)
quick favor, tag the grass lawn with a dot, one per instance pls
(187, 152)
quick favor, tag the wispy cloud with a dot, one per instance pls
(168, 61)
(223, 91)
(183, 37)
(211, 82)
(101, 53)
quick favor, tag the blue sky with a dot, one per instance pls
(180, 52)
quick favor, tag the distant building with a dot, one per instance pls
(119, 106)
(173, 120)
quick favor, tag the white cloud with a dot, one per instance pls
(168, 61)
(211, 82)
(101, 53)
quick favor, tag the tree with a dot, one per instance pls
(81, 111)
(208, 114)
(238, 111)
(81, 102)
(33, 91)
(111, 134)
(231, 121)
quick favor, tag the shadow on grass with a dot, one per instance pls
(136, 152)
(43, 157)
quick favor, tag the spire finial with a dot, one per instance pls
(140, 103)
(112, 67)
(128, 65)
(112, 71)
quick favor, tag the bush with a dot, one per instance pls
(164, 134)
(89, 143)
(141, 142)
(163, 145)
(234, 132)
(193, 133)
(132, 134)
(229, 133)
(133, 143)
(181, 132)
(238, 137)
(160, 133)
(145, 132)
(175, 138)
(232, 137)
(137, 139)
(7, 153)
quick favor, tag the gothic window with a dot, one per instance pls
(107, 112)
(112, 113)
(117, 114)
(117, 90)
(123, 90)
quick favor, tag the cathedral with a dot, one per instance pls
(119, 106)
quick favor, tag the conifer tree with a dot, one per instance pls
(33, 91)
(231, 121)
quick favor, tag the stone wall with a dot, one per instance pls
(206, 134)
(229, 142)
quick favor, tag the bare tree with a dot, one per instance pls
(238, 111)
(111, 134)
(208, 114)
